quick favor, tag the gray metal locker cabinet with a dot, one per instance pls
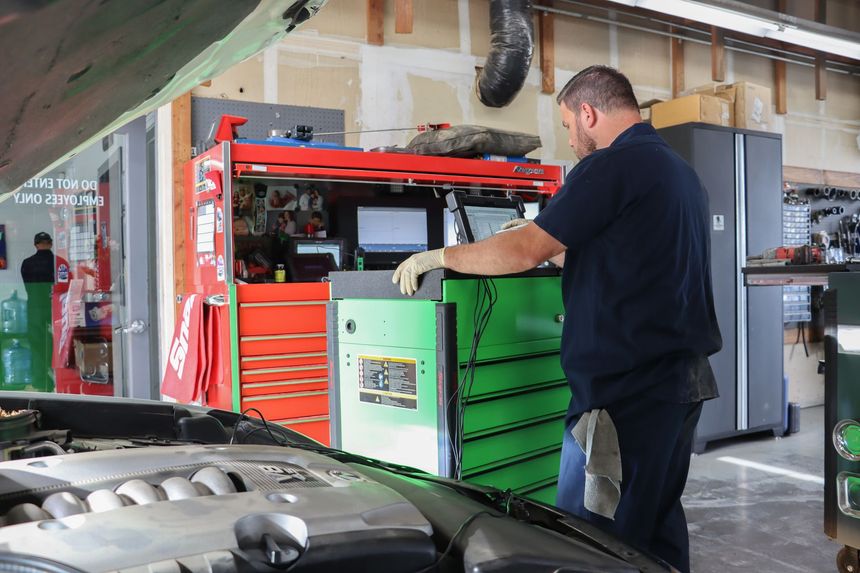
(742, 171)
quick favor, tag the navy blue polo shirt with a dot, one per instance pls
(639, 310)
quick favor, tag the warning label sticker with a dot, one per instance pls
(388, 381)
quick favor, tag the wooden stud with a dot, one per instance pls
(807, 176)
(718, 55)
(403, 17)
(375, 22)
(821, 11)
(206, 84)
(781, 88)
(546, 23)
(842, 179)
(802, 175)
(181, 126)
(820, 77)
(779, 81)
(676, 51)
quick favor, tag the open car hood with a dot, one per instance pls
(76, 70)
(105, 484)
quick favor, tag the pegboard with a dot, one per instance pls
(261, 118)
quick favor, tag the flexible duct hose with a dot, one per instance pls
(511, 49)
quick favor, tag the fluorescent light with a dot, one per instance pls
(818, 42)
(711, 15)
(747, 24)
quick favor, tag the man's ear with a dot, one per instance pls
(588, 113)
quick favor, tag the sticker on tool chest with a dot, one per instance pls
(388, 381)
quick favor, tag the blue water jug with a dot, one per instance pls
(13, 315)
(17, 365)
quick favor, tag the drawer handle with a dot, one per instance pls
(281, 337)
(297, 421)
(283, 303)
(282, 396)
(285, 383)
(284, 369)
(280, 356)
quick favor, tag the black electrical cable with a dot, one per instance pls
(468, 521)
(803, 337)
(486, 297)
(247, 417)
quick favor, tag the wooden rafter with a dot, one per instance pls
(546, 23)
(375, 22)
(676, 51)
(779, 74)
(718, 54)
(820, 77)
(403, 16)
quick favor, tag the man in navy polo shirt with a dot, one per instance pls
(630, 228)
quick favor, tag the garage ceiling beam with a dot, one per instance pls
(376, 22)
(403, 16)
(718, 54)
(546, 23)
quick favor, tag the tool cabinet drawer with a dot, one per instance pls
(284, 386)
(287, 406)
(511, 444)
(498, 413)
(506, 376)
(287, 317)
(272, 361)
(521, 473)
(315, 427)
(282, 344)
(295, 372)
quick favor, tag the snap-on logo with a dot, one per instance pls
(528, 170)
(179, 349)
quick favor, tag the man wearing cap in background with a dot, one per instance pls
(39, 273)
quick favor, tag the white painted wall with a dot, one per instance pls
(428, 76)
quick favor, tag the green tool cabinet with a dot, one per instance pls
(395, 362)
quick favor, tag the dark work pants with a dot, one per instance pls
(656, 440)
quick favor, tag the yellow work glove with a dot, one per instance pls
(409, 270)
(514, 223)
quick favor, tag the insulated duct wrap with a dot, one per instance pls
(511, 49)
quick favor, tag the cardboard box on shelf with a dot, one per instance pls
(645, 109)
(717, 90)
(696, 107)
(752, 105)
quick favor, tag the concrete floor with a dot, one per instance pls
(751, 519)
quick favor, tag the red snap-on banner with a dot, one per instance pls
(181, 376)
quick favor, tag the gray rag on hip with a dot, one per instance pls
(596, 435)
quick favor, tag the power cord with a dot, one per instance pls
(468, 521)
(244, 415)
(486, 296)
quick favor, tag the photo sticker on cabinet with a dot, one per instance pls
(206, 226)
(388, 381)
(201, 183)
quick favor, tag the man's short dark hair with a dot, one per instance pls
(42, 237)
(603, 87)
(316, 215)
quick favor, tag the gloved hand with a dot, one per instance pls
(514, 223)
(409, 270)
